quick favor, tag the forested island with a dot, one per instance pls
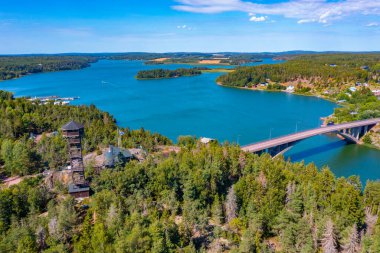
(166, 73)
(16, 66)
(200, 198)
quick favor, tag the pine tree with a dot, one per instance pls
(352, 245)
(41, 237)
(231, 205)
(99, 239)
(216, 211)
(329, 240)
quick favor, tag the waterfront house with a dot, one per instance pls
(290, 88)
(206, 140)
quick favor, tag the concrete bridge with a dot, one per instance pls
(351, 132)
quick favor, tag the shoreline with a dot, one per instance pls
(298, 94)
(191, 63)
(279, 91)
(219, 70)
(162, 78)
(45, 72)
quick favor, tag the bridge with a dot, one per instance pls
(351, 132)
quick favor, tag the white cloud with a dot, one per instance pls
(304, 21)
(305, 11)
(185, 27)
(372, 24)
(73, 32)
(258, 19)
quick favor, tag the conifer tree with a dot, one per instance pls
(352, 245)
(329, 240)
(231, 205)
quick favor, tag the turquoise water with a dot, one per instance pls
(197, 106)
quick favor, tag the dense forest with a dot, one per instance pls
(360, 105)
(322, 71)
(205, 198)
(166, 73)
(22, 119)
(17, 66)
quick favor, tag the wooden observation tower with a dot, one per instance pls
(74, 132)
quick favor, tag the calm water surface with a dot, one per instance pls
(197, 106)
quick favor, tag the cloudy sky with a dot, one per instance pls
(46, 26)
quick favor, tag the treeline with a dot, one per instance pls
(329, 70)
(166, 73)
(359, 105)
(205, 198)
(234, 60)
(22, 120)
(16, 66)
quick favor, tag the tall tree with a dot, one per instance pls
(352, 244)
(231, 205)
(329, 240)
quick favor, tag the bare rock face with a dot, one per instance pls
(95, 158)
(63, 177)
(375, 135)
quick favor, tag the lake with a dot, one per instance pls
(197, 106)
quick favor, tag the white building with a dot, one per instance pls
(206, 140)
(376, 92)
(353, 89)
(290, 88)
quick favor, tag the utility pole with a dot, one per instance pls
(270, 133)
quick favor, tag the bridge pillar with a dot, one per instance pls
(358, 129)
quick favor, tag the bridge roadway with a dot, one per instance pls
(293, 138)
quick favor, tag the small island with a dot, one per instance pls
(166, 73)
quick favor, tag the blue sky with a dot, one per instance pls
(45, 26)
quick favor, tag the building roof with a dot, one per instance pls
(206, 140)
(114, 154)
(72, 125)
(73, 188)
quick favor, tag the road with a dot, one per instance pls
(259, 146)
